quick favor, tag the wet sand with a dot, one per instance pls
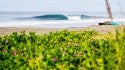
(40, 30)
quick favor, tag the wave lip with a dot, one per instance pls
(51, 17)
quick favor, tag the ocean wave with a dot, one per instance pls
(45, 17)
(51, 17)
(59, 17)
(86, 17)
(90, 17)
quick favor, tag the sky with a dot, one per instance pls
(60, 5)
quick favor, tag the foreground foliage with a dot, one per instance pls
(86, 50)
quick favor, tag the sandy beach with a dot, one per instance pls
(40, 30)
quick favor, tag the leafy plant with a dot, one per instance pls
(62, 50)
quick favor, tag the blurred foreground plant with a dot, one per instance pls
(62, 50)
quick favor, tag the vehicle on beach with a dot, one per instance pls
(108, 23)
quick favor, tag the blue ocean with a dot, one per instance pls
(56, 19)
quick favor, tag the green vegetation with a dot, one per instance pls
(64, 50)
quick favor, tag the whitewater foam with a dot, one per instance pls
(58, 24)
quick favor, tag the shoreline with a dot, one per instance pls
(58, 23)
(42, 30)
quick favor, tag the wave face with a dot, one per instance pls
(86, 17)
(51, 17)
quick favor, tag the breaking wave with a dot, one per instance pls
(51, 17)
(59, 17)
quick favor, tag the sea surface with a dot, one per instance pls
(56, 19)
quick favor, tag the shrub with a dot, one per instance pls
(63, 50)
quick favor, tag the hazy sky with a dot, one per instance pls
(60, 5)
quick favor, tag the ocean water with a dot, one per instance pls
(56, 20)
